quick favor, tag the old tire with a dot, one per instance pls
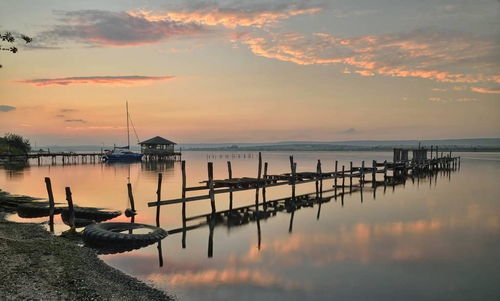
(34, 210)
(91, 213)
(109, 235)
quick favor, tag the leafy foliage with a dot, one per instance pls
(14, 144)
(9, 38)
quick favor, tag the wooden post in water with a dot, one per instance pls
(158, 198)
(292, 169)
(374, 173)
(362, 175)
(132, 203)
(183, 195)
(320, 179)
(211, 187)
(350, 177)
(259, 176)
(48, 184)
(264, 187)
(71, 210)
(317, 180)
(336, 173)
(343, 178)
(230, 176)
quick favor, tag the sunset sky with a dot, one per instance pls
(251, 71)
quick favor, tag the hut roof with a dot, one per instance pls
(157, 140)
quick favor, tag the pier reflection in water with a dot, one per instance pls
(431, 236)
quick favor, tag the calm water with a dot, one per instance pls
(433, 239)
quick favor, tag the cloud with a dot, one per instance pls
(255, 15)
(95, 80)
(6, 108)
(466, 99)
(437, 99)
(485, 91)
(349, 131)
(106, 28)
(439, 56)
(76, 120)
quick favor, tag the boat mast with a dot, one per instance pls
(128, 130)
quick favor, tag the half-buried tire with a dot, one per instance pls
(34, 210)
(116, 237)
(91, 213)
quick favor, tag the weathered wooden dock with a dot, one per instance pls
(64, 157)
(423, 163)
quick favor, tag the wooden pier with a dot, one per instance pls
(64, 157)
(423, 164)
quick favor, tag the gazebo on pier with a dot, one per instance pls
(159, 148)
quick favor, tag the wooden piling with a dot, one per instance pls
(183, 195)
(48, 184)
(336, 173)
(264, 187)
(230, 176)
(320, 179)
(71, 210)
(259, 176)
(132, 203)
(158, 198)
(350, 176)
(211, 186)
(362, 175)
(293, 170)
(374, 173)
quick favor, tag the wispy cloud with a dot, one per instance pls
(213, 14)
(485, 91)
(349, 131)
(107, 28)
(6, 108)
(75, 120)
(95, 80)
(442, 57)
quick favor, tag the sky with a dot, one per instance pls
(251, 71)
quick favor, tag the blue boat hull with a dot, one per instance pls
(123, 157)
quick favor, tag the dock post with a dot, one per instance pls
(362, 175)
(317, 180)
(374, 173)
(48, 184)
(350, 177)
(71, 210)
(183, 169)
(336, 173)
(132, 203)
(230, 176)
(293, 170)
(211, 187)
(264, 202)
(320, 179)
(158, 198)
(343, 178)
(259, 176)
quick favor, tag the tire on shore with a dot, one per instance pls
(109, 238)
(34, 210)
(90, 213)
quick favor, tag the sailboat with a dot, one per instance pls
(123, 153)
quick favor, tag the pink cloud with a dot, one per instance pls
(106, 28)
(214, 15)
(441, 57)
(95, 80)
(485, 91)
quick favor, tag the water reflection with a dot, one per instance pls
(433, 236)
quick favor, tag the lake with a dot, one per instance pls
(433, 238)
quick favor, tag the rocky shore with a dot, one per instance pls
(36, 265)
